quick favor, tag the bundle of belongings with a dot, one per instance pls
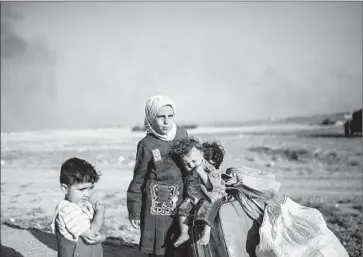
(287, 229)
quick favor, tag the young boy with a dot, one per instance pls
(75, 218)
(203, 183)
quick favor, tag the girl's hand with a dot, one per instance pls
(135, 223)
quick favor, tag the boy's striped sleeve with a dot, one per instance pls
(75, 221)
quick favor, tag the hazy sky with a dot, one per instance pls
(94, 64)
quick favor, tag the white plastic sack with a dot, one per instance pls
(255, 179)
(293, 230)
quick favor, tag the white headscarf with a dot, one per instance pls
(152, 106)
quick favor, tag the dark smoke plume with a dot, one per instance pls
(28, 91)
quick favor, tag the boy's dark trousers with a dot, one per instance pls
(67, 248)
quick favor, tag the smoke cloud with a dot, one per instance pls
(28, 91)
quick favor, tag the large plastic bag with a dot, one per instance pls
(292, 230)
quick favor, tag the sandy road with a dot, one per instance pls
(17, 243)
(33, 243)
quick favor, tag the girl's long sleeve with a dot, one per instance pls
(134, 192)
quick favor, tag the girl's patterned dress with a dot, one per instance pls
(155, 192)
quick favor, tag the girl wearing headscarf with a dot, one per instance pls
(156, 189)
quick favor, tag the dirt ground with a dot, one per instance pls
(42, 244)
(316, 167)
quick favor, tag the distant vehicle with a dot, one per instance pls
(191, 126)
(328, 122)
(138, 128)
(353, 126)
(142, 128)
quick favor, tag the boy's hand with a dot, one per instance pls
(84, 204)
(99, 207)
(95, 239)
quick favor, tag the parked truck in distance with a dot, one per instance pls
(353, 125)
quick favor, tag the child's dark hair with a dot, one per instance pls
(213, 152)
(76, 170)
(184, 146)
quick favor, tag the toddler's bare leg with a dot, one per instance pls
(184, 227)
(204, 240)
